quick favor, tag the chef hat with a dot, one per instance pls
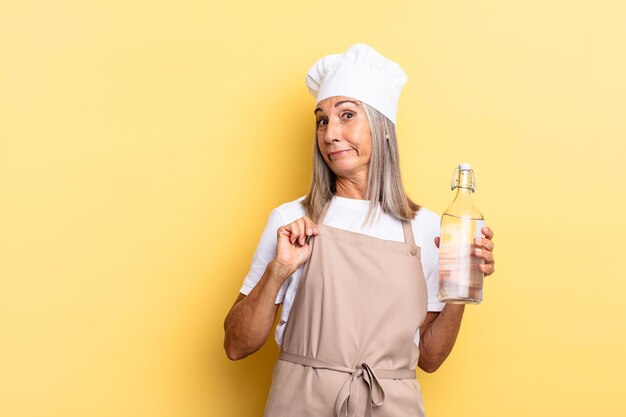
(361, 73)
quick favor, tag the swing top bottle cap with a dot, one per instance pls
(465, 167)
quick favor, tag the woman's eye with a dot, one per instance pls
(348, 115)
(322, 122)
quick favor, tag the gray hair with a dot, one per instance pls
(384, 183)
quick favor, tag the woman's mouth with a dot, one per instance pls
(338, 154)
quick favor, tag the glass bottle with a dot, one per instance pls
(460, 280)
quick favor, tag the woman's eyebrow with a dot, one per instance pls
(337, 104)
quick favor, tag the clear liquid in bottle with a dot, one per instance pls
(460, 280)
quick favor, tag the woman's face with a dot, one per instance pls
(343, 136)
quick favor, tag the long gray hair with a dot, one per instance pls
(384, 183)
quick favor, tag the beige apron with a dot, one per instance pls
(348, 346)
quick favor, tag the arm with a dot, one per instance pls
(437, 336)
(439, 331)
(250, 319)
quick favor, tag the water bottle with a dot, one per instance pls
(460, 280)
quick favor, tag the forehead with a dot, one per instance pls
(330, 103)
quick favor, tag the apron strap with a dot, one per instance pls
(406, 226)
(408, 233)
(348, 395)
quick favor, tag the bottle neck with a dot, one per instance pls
(464, 182)
(463, 192)
(463, 206)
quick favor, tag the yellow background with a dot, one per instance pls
(143, 144)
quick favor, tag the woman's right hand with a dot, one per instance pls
(292, 247)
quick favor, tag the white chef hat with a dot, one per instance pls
(361, 73)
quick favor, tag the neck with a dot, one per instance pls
(349, 188)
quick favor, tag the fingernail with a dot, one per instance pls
(478, 240)
(478, 251)
(309, 231)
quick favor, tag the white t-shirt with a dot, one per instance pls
(347, 214)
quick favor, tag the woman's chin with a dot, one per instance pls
(347, 170)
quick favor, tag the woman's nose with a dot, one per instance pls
(333, 132)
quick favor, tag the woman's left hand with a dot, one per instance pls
(483, 249)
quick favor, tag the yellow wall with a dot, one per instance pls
(143, 144)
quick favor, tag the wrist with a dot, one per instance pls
(452, 308)
(279, 272)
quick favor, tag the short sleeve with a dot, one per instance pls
(426, 228)
(432, 285)
(265, 252)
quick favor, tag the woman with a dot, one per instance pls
(353, 263)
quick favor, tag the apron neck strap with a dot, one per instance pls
(408, 232)
(406, 226)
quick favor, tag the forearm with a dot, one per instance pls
(251, 318)
(439, 336)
